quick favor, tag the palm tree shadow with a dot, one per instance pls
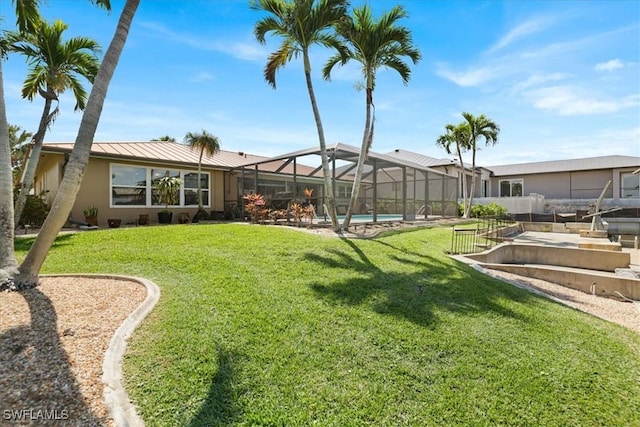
(417, 294)
(221, 406)
(37, 375)
(25, 243)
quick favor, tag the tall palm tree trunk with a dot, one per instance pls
(464, 182)
(8, 262)
(364, 152)
(200, 204)
(472, 190)
(326, 171)
(201, 214)
(74, 172)
(32, 162)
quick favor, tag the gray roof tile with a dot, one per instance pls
(589, 163)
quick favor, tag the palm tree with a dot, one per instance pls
(206, 143)
(457, 136)
(56, 66)
(79, 158)
(301, 24)
(373, 44)
(480, 126)
(8, 261)
(27, 16)
(165, 138)
(19, 142)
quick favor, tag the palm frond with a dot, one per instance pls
(375, 44)
(300, 23)
(79, 93)
(332, 62)
(279, 59)
(105, 4)
(204, 141)
(51, 118)
(55, 64)
(27, 14)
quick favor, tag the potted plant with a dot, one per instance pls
(91, 215)
(168, 188)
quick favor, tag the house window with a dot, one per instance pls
(630, 185)
(128, 186)
(133, 186)
(344, 191)
(511, 188)
(191, 188)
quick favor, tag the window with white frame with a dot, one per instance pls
(511, 187)
(129, 186)
(343, 191)
(133, 186)
(629, 185)
(191, 188)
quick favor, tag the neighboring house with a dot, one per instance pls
(569, 179)
(558, 179)
(551, 186)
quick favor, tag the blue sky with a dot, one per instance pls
(561, 78)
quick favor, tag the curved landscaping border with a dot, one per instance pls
(114, 395)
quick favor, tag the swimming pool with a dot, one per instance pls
(369, 217)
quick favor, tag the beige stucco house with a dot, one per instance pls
(119, 178)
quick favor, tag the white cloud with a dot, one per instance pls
(569, 101)
(538, 79)
(203, 77)
(585, 43)
(474, 77)
(240, 50)
(609, 65)
(527, 28)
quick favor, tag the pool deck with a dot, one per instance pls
(567, 240)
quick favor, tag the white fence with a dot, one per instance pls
(533, 203)
(537, 204)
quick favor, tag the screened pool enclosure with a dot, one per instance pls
(391, 187)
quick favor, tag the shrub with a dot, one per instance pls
(492, 209)
(255, 207)
(35, 210)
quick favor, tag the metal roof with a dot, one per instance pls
(589, 163)
(420, 158)
(171, 152)
(174, 153)
(349, 153)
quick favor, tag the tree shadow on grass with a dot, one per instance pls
(36, 381)
(23, 244)
(221, 407)
(428, 286)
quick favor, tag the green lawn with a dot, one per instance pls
(269, 326)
